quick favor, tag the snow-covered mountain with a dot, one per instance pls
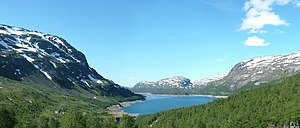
(175, 82)
(175, 85)
(164, 85)
(244, 75)
(43, 58)
(264, 69)
(255, 72)
(172, 82)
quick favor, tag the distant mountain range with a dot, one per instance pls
(165, 86)
(51, 62)
(244, 75)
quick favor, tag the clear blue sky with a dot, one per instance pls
(146, 40)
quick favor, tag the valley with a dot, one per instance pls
(44, 80)
(150, 64)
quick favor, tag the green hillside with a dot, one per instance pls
(31, 106)
(270, 106)
(46, 82)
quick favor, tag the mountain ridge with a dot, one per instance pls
(244, 75)
(27, 54)
(171, 84)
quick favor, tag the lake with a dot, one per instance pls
(157, 103)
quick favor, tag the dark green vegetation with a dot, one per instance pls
(269, 106)
(7, 118)
(127, 122)
(26, 105)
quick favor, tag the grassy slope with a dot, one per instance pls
(260, 107)
(29, 101)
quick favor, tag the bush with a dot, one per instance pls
(74, 119)
(7, 118)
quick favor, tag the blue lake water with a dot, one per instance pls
(156, 103)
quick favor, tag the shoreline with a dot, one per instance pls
(211, 96)
(117, 111)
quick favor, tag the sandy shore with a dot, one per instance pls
(212, 96)
(117, 111)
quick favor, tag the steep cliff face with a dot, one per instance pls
(51, 61)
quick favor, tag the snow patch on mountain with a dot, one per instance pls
(94, 80)
(17, 72)
(85, 82)
(28, 55)
(177, 82)
(266, 61)
(40, 56)
(264, 69)
(4, 45)
(27, 58)
(172, 82)
(206, 81)
(46, 74)
(54, 65)
(21, 43)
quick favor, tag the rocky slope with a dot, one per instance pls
(244, 75)
(51, 62)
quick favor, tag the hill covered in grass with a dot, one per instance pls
(30, 104)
